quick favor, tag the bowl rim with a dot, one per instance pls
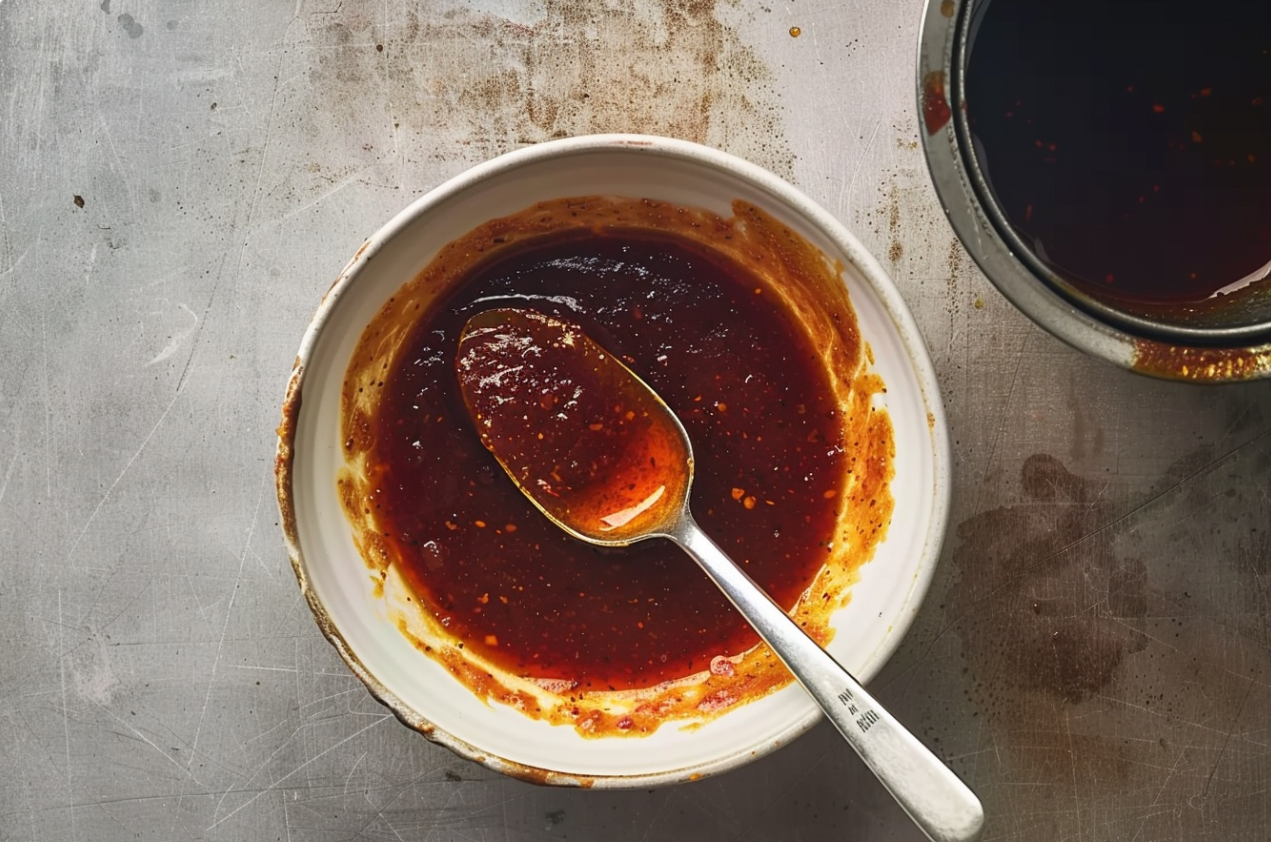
(817, 218)
(1126, 340)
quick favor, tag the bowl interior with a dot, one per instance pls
(341, 592)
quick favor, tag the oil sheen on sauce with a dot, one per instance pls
(746, 332)
(1128, 144)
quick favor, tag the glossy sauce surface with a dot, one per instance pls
(748, 385)
(576, 430)
(1128, 144)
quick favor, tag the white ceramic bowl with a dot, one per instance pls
(334, 578)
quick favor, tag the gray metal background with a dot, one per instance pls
(1095, 654)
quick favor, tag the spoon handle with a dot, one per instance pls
(936, 799)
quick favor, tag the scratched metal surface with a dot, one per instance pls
(1095, 656)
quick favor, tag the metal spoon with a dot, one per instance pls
(599, 453)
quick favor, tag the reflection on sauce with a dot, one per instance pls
(746, 331)
(1128, 145)
(577, 432)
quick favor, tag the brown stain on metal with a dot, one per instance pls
(1030, 572)
(947, 8)
(1201, 365)
(1048, 616)
(1113, 645)
(489, 84)
(935, 104)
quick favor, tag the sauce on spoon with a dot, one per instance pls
(589, 443)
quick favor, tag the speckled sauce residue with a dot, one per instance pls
(810, 289)
(476, 84)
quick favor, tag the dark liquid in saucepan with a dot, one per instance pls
(749, 387)
(1128, 143)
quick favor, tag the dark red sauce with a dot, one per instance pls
(1129, 143)
(746, 382)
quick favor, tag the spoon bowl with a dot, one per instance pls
(590, 443)
(602, 456)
